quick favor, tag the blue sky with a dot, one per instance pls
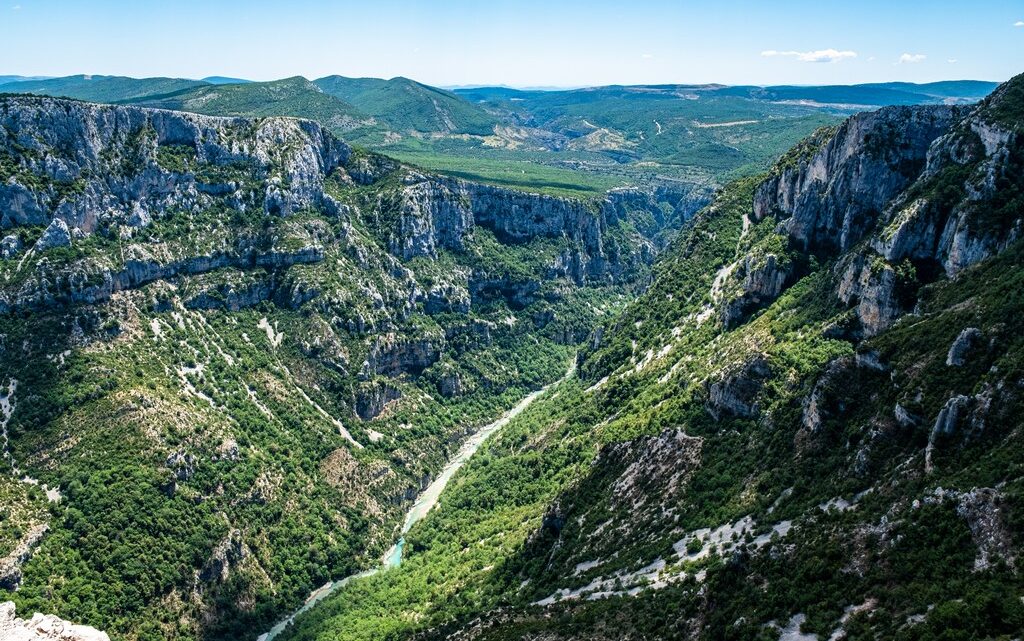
(520, 43)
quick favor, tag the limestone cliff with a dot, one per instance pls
(43, 627)
(905, 192)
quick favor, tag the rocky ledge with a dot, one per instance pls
(43, 627)
(905, 194)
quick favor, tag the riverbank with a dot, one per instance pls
(424, 503)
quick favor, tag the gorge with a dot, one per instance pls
(241, 358)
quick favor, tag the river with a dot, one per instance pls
(424, 502)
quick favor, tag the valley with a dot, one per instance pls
(424, 502)
(702, 472)
(622, 362)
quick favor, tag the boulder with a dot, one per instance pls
(962, 346)
(946, 424)
(57, 234)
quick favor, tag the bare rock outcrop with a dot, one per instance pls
(950, 417)
(438, 213)
(57, 234)
(10, 246)
(86, 163)
(735, 394)
(10, 566)
(391, 354)
(373, 398)
(829, 199)
(953, 215)
(43, 627)
(961, 348)
(872, 288)
(763, 279)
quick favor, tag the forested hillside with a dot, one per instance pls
(233, 351)
(809, 426)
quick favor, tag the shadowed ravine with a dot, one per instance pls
(424, 503)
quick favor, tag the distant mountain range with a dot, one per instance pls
(7, 79)
(407, 105)
(836, 96)
(585, 139)
(224, 80)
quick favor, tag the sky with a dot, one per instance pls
(524, 43)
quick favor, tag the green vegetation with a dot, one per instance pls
(24, 508)
(580, 143)
(101, 88)
(788, 419)
(574, 141)
(1007, 106)
(405, 105)
(203, 427)
(296, 97)
(231, 436)
(508, 171)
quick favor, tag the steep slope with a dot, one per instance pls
(233, 350)
(101, 88)
(407, 105)
(810, 425)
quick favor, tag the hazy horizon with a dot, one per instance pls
(524, 43)
(25, 77)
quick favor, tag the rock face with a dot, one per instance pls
(83, 169)
(946, 425)
(441, 213)
(372, 400)
(831, 199)
(57, 234)
(450, 385)
(962, 346)
(10, 246)
(391, 354)
(763, 281)
(43, 627)
(736, 394)
(872, 289)
(84, 163)
(77, 285)
(830, 396)
(955, 215)
(226, 556)
(10, 566)
(919, 184)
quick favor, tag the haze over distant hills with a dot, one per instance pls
(692, 321)
(578, 141)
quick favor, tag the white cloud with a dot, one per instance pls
(911, 58)
(647, 56)
(1019, 23)
(952, 61)
(16, 7)
(823, 55)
